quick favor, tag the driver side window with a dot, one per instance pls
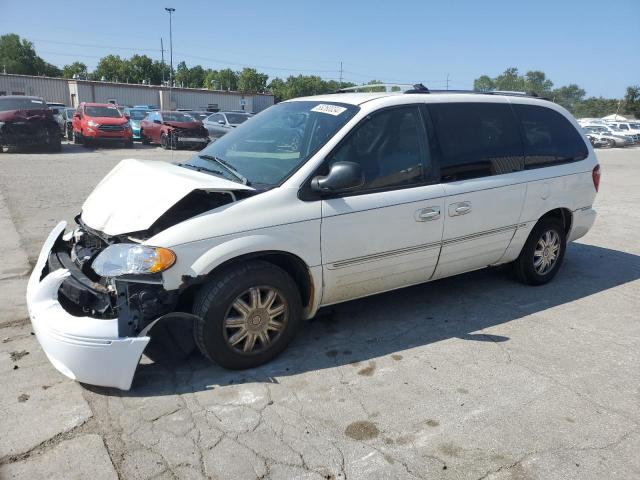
(390, 147)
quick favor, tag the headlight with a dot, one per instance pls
(91, 123)
(130, 258)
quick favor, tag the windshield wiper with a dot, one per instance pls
(227, 167)
(201, 169)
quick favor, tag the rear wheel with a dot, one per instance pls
(248, 314)
(542, 254)
(143, 138)
(164, 141)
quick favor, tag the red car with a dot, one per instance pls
(97, 122)
(172, 130)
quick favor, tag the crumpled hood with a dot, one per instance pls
(133, 195)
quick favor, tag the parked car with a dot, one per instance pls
(221, 123)
(258, 231)
(135, 116)
(101, 122)
(197, 114)
(146, 107)
(58, 115)
(628, 128)
(619, 137)
(598, 141)
(67, 115)
(172, 130)
(28, 121)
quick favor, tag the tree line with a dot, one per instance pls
(571, 96)
(19, 56)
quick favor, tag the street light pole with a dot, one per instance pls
(170, 10)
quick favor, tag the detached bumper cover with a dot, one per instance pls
(85, 349)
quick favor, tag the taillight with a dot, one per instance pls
(595, 174)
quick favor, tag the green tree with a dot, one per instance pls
(112, 68)
(18, 56)
(595, 107)
(484, 84)
(76, 68)
(632, 101)
(228, 79)
(140, 68)
(568, 96)
(537, 82)
(510, 80)
(250, 80)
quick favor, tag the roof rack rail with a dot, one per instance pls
(378, 87)
(494, 92)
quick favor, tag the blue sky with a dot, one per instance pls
(592, 43)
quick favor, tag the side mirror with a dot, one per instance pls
(157, 122)
(343, 176)
(221, 122)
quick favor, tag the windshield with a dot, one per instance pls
(177, 117)
(236, 118)
(137, 114)
(26, 103)
(109, 112)
(276, 141)
(199, 115)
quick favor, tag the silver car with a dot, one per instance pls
(220, 123)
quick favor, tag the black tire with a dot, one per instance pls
(214, 301)
(87, 142)
(164, 141)
(143, 139)
(77, 138)
(523, 266)
(128, 144)
(55, 145)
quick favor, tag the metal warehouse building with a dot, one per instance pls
(72, 92)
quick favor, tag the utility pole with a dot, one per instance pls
(170, 10)
(447, 81)
(340, 74)
(162, 54)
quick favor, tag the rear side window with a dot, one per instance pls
(549, 138)
(476, 140)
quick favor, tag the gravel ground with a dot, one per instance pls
(469, 377)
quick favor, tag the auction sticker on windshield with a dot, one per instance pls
(330, 109)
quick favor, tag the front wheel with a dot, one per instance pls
(542, 254)
(248, 314)
(165, 141)
(143, 138)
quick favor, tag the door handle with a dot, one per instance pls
(426, 214)
(460, 208)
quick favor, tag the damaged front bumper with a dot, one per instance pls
(83, 348)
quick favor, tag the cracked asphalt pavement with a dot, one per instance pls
(470, 377)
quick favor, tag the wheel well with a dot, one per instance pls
(562, 214)
(292, 264)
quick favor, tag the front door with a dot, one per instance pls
(387, 234)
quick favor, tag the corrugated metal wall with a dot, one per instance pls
(260, 102)
(50, 89)
(124, 95)
(72, 92)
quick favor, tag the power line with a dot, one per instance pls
(87, 45)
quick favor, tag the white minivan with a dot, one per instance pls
(313, 202)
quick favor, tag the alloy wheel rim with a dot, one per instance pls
(546, 252)
(255, 320)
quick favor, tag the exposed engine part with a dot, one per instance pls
(29, 128)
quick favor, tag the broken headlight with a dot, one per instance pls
(132, 259)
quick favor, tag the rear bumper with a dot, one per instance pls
(85, 349)
(582, 222)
